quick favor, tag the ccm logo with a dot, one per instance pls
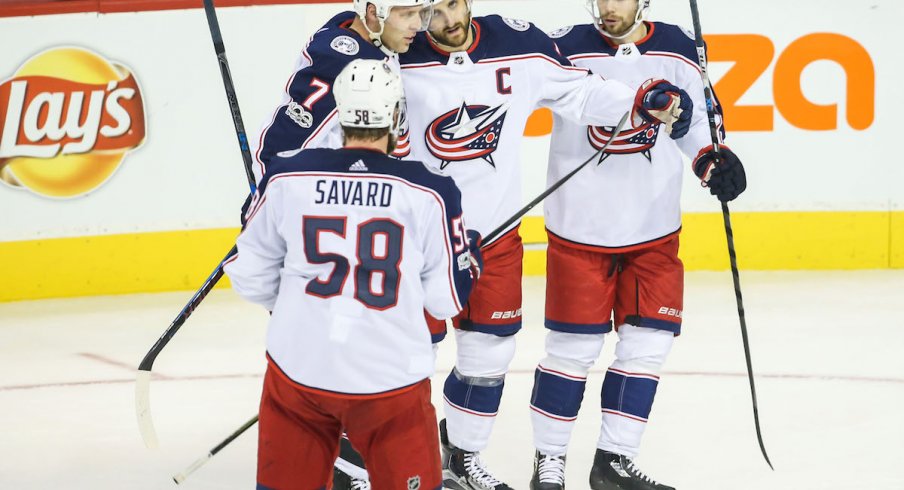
(502, 315)
(665, 310)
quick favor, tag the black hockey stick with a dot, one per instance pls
(220, 48)
(493, 234)
(203, 459)
(143, 378)
(726, 218)
(520, 214)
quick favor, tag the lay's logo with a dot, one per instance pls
(68, 119)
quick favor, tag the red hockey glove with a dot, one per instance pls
(658, 101)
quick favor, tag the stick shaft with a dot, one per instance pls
(148, 362)
(726, 219)
(501, 228)
(143, 384)
(220, 48)
(204, 459)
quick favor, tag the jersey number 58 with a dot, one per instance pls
(372, 259)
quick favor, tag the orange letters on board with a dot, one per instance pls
(858, 68)
(752, 55)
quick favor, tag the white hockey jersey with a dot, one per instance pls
(632, 198)
(347, 248)
(467, 110)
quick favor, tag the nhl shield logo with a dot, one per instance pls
(414, 483)
(470, 132)
(637, 140)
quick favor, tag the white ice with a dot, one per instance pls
(828, 352)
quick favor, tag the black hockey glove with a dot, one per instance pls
(474, 240)
(658, 101)
(727, 180)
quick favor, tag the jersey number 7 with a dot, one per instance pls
(372, 259)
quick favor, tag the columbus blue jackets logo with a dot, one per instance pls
(634, 140)
(470, 132)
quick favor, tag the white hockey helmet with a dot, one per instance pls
(643, 8)
(384, 7)
(369, 95)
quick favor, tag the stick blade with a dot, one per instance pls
(143, 409)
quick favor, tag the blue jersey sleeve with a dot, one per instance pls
(306, 116)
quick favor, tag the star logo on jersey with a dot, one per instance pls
(635, 140)
(470, 132)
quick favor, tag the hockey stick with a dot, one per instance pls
(520, 214)
(143, 378)
(203, 459)
(726, 218)
(493, 234)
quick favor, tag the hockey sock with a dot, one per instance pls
(559, 383)
(471, 404)
(630, 387)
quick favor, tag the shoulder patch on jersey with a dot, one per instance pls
(516, 24)
(687, 32)
(299, 115)
(345, 45)
(561, 32)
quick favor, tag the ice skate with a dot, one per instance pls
(616, 472)
(549, 472)
(464, 470)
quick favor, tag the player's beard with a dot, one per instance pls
(455, 40)
(621, 28)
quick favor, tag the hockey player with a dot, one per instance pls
(306, 116)
(347, 248)
(471, 85)
(600, 261)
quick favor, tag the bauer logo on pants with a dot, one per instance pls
(68, 117)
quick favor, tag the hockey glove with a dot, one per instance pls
(474, 240)
(727, 179)
(658, 101)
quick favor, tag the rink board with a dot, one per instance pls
(165, 261)
(805, 108)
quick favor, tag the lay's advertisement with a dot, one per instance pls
(69, 119)
(120, 171)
